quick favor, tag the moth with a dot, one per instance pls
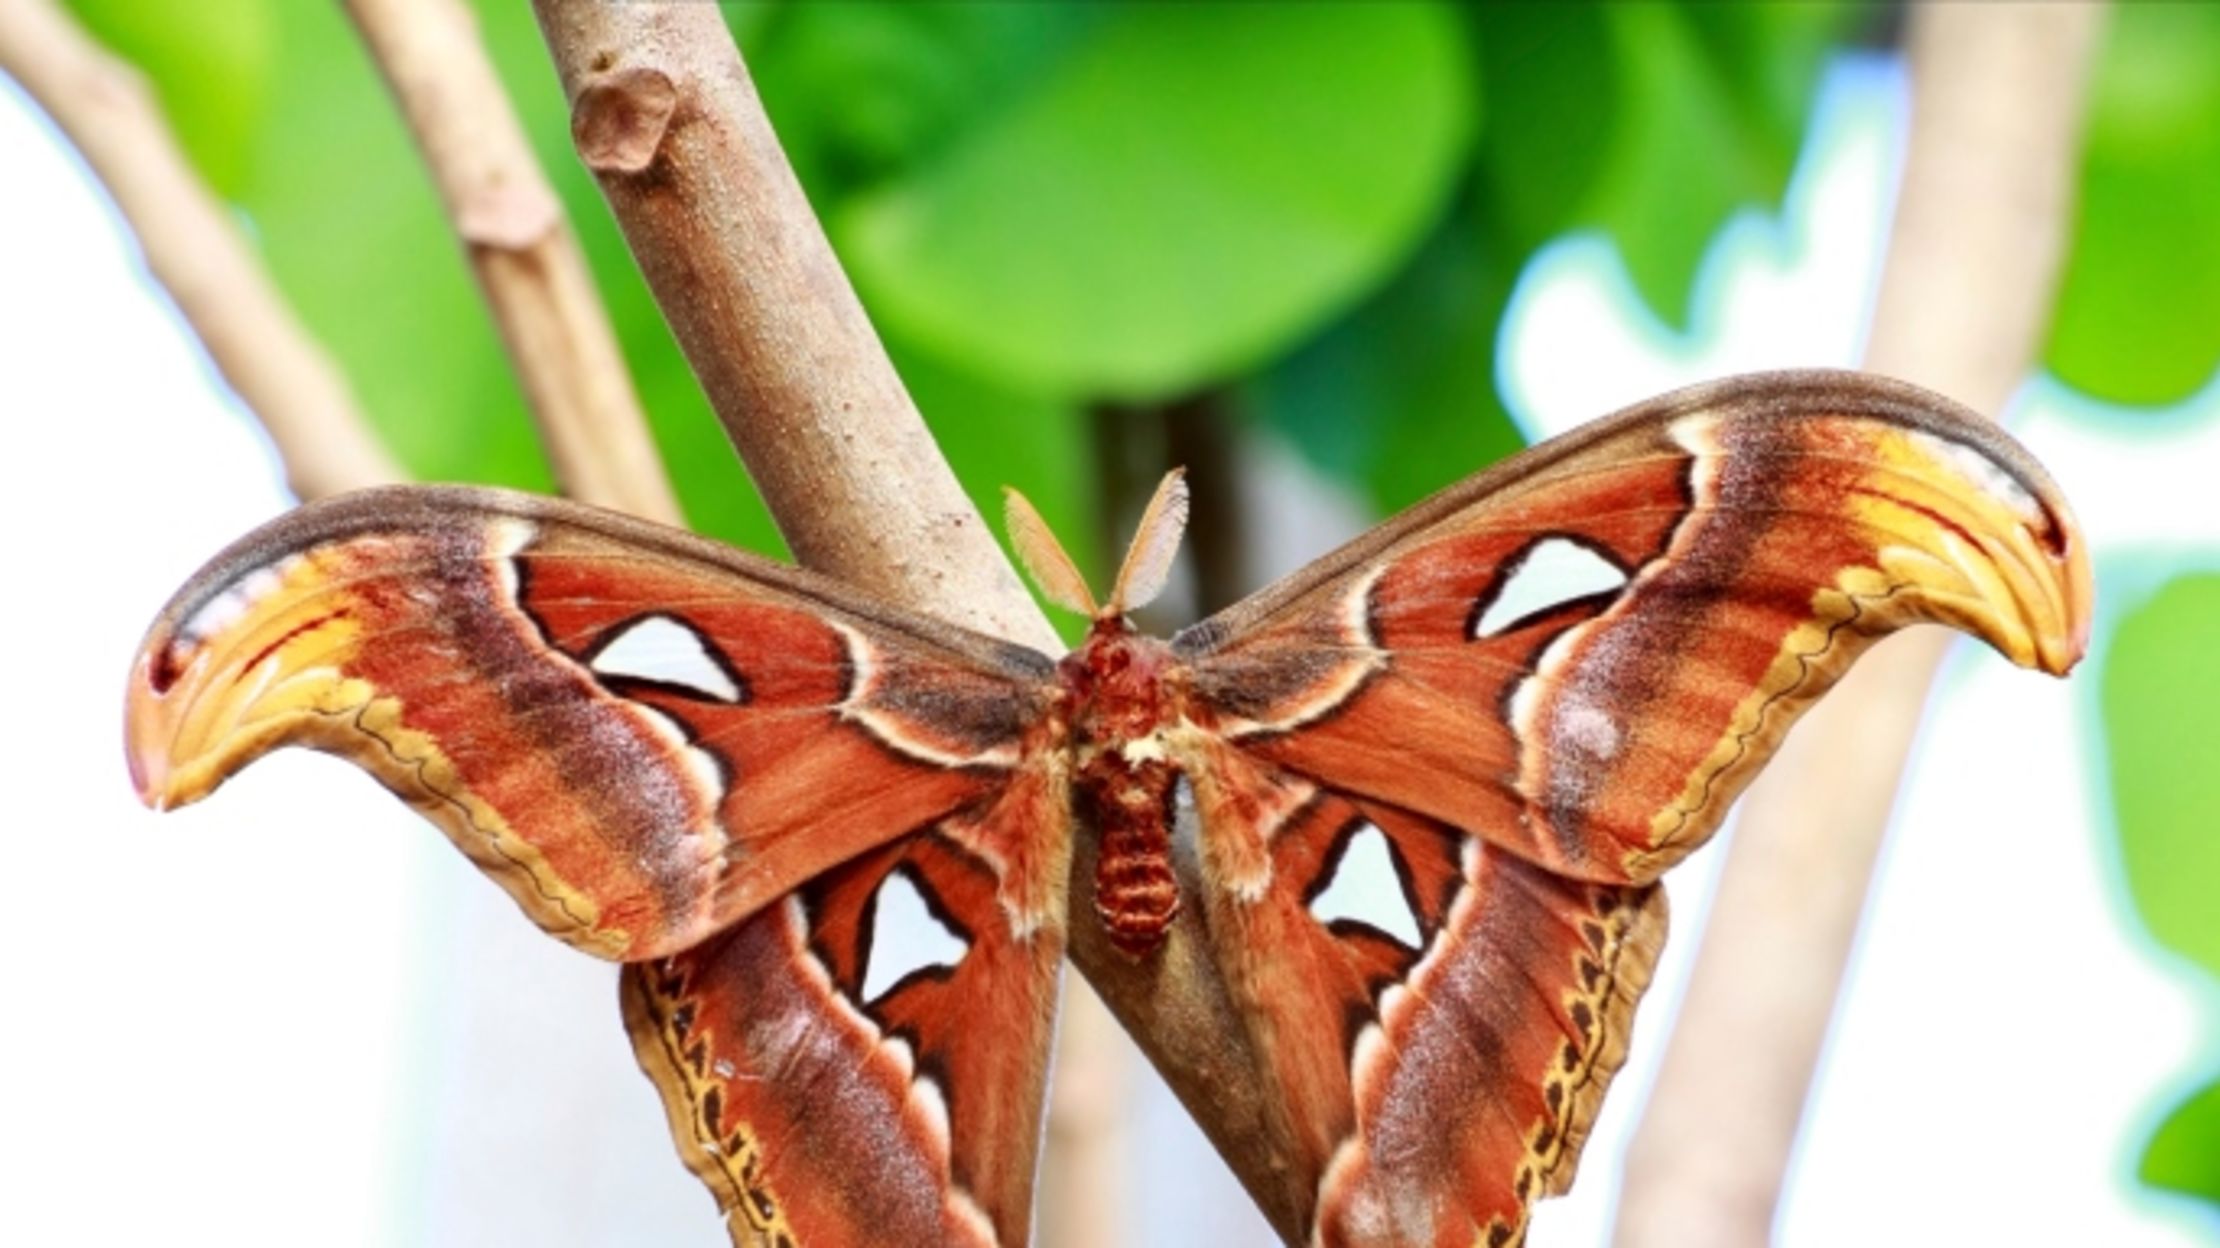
(1418, 794)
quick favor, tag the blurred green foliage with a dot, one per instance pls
(2162, 718)
(1651, 122)
(2161, 703)
(2138, 317)
(210, 66)
(1149, 215)
(1317, 209)
(2138, 321)
(2182, 1152)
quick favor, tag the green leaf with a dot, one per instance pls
(2161, 717)
(1186, 191)
(1690, 147)
(1680, 164)
(1553, 62)
(210, 67)
(2138, 317)
(1768, 58)
(860, 93)
(1400, 396)
(2184, 1153)
(1654, 122)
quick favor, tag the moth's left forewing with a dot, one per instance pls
(1586, 653)
(1537, 691)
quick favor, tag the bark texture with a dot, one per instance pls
(665, 114)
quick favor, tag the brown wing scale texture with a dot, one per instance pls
(1434, 778)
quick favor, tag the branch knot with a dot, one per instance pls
(619, 119)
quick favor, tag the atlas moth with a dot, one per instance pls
(1431, 781)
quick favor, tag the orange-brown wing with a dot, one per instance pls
(1440, 1017)
(666, 749)
(1556, 677)
(862, 1062)
(1584, 654)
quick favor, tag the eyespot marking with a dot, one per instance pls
(905, 936)
(1547, 575)
(1363, 883)
(665, 651)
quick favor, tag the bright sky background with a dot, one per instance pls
(293, 1015)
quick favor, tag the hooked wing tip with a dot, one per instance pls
(2080, 597)
(146, 734)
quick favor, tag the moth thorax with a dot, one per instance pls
(1136, 894)
(1117, 683)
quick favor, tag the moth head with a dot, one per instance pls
(1148, 562)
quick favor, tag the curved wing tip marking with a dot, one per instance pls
(857, 707)
(506, 538)
(930, 1104)
(704, 771)
(968, 1212)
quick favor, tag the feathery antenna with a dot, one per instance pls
(1148, 563)
(1044, 557)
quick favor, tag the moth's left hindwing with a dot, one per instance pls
(648, 740)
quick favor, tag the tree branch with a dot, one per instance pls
(1965, 296)
(195, 251)
(664, 113)
(522, 251)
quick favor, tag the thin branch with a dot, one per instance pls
(666, 117)
(193, 248)
(664, 113)
(1965, 297)
(522, 251)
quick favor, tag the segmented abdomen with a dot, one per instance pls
(1136, 893)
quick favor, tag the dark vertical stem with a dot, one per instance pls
(1135, 445)
(1200, 432)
